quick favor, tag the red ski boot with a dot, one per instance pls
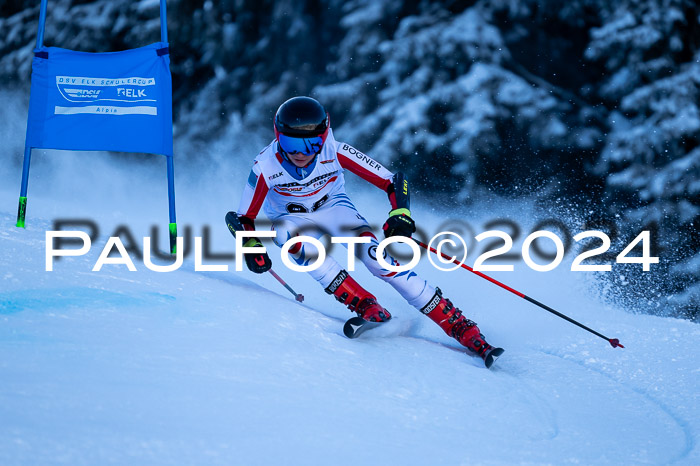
(357, 299)
(450, 319)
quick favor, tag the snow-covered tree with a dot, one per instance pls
(651, 158)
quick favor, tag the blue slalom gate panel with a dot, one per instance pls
(117, 101)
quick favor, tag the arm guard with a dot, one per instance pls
(399, 193)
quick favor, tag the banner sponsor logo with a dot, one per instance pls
(118, 94)
(430, 307)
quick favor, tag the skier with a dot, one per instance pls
(298, 179)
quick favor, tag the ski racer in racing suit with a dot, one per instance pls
(298, 179)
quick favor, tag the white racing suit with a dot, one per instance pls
(311, 201)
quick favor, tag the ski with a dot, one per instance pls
(356, 326)
(491, 356)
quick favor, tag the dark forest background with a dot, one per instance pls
(590, 103)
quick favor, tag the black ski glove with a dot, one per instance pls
(399, 223)
(258, 262)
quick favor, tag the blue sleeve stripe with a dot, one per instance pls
(252, 179)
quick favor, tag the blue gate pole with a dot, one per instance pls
(22, 209)
(163, 22)
(42, 24)
(171, 171)
(171, 201)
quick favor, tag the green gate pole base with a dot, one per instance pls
(21, 211)
(173, 238)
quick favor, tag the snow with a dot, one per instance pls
(221, 368)
(148, 6)
(226, 368)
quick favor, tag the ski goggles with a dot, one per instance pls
(304, 146)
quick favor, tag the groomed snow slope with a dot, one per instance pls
(119, 367)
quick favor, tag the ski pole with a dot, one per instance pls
(234, 225)
(614, 342)
(298, 297)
